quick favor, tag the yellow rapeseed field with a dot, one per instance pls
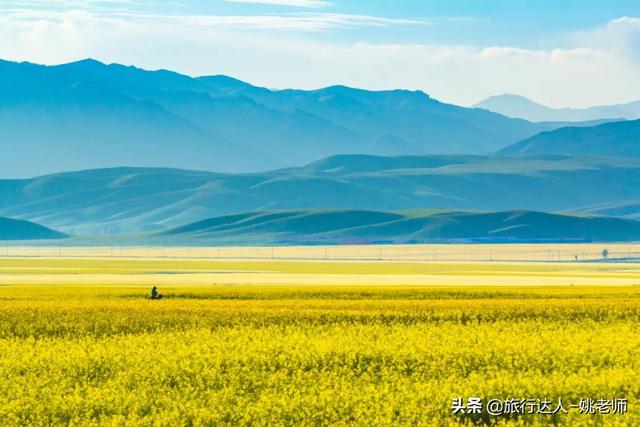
(81, 345)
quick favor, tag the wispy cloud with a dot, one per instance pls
(299, 21)
(311, 4)
(70, 3)
(138, 11)
(291, 21)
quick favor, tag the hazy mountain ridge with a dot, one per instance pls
(518, 106)
(617, 139)
(361, 226)
(87, 115)
(432, 127)
(143, 199)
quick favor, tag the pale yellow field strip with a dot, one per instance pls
(64, 270)
(449, 252)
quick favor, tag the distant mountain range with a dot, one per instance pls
(129, 200)
(617, 139)
(363, 156)
(87, 114)
(358, 226)
(521, 107)
(11, 229)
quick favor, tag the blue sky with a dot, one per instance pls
(562, 52)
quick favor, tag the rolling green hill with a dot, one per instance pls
(108, 201)
(12, 229)
(360, 226)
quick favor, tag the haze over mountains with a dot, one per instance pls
(521, 107)
(143, 199)
(87, 115)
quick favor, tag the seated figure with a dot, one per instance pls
(155, 294)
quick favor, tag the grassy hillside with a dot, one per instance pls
(12, 229)
(133, 199)
(359, 226)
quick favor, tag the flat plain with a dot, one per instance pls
(266, 339)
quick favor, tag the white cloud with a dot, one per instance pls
(621, 35)
(625, 33)
(312, 4)
(627, 23)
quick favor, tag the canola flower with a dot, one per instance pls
(312, 355)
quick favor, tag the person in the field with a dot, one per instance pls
(155, 294)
